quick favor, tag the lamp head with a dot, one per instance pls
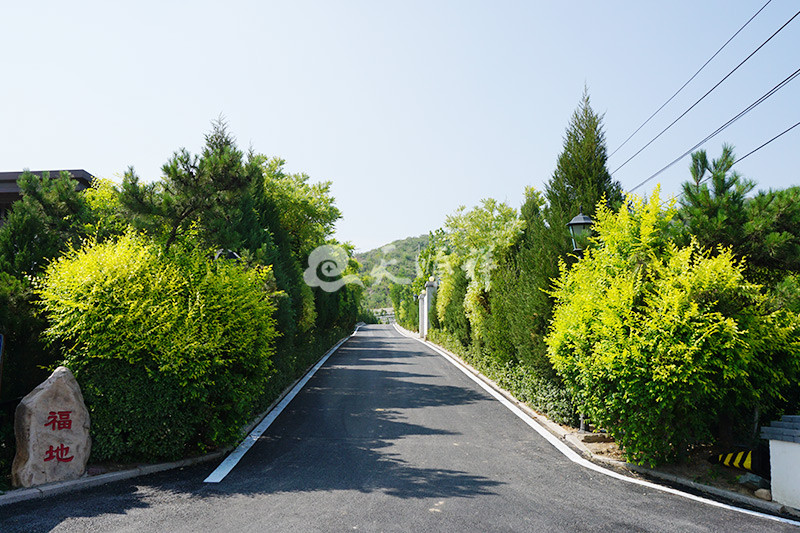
(580, 225)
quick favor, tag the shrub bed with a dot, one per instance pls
(172, 351)
(542, 394)
(660, 343)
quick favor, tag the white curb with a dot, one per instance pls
(568, 452)
(233, 459)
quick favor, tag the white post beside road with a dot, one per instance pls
(423, 315)
(784, 455)
(425, 299)
(430, 289)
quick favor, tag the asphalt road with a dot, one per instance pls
(387, 436)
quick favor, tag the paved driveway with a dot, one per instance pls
(387, 436)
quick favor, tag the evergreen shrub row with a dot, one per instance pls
(659, 343)
(172, 350)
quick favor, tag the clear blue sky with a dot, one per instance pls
(410, 108)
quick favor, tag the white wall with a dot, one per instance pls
(785, 467)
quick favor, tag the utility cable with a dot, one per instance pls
(688, 81)
(709, 92)
(784, 132)
(746, 110)
(751, 152)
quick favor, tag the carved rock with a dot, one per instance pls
(52, 429)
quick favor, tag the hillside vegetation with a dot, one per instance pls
(392, 263)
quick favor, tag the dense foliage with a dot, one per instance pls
(179, 303)
(383, 267)
(679, 327)
(195, 191)
(406, 310)
(658, 343)
(306, 211)
(495, 266)
(581, 178)
(25, 353)
(521, 307)
(50, 217)
(763, 228)
(171, 350)
(474, 240)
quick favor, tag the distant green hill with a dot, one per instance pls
(395, 262)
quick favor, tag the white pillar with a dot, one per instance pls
(784, 455)
(425, 310)
(430, 287)
(423, 319)
(422, 306)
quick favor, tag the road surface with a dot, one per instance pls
(387, 436)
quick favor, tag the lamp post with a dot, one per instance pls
(579, 226)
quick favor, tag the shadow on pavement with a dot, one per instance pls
(347, 431)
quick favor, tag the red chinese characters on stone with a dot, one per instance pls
(59, 420)
(59, 454)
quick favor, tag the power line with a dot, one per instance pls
(784, 132)
(748, 154)
(688, 81)
(709, 92)
(746, 110)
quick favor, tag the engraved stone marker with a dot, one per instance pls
(52, 429)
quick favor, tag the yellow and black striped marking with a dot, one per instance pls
(741, 460)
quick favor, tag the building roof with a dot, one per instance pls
(9, 191)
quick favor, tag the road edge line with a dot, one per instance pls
(236, 455)
(568, 452)
(20, 495)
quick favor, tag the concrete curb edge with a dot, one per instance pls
(622, 467)
(87, 482)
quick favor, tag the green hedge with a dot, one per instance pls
(547, 396)
(172, 351)
(659, 343)
(25, 351)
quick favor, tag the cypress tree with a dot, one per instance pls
(581, 178)
(521, 308)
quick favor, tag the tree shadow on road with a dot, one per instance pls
(350, 430)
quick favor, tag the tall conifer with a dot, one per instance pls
(581, 178)
(521, 309)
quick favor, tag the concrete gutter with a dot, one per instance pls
(572, 438)
(86, 481)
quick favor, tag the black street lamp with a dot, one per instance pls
(579, 226)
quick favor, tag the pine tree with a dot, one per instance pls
(716, 215)
(51, 216)
(205, 189)
(763, 229)
(521, 309)
(581, 178)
